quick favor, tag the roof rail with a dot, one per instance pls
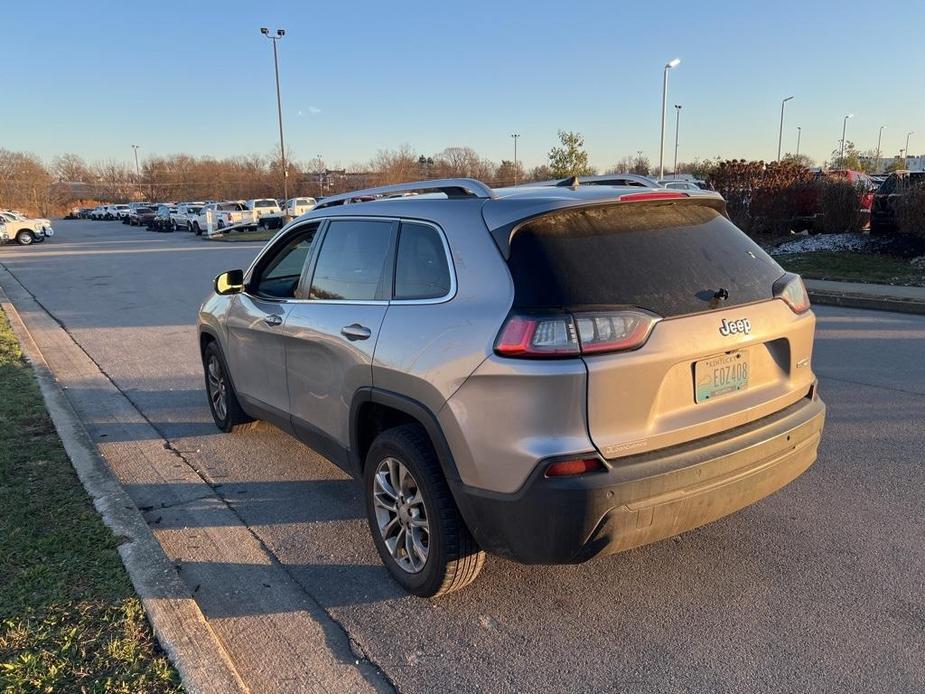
(620, 179)
(451, 187)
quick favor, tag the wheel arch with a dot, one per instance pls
(374, 410)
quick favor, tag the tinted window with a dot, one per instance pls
(669, 259)
(421, 271)
(265, 203)
(351, 260)
(280, 275)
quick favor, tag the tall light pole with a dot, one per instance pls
(780, 135)
(799, 134)
(135, 147)
(661, 150)
(280, 33)
(677, 129)
(879, 139)
(844, 127)
(907, 141)
(515, 137)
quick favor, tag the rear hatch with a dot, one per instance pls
(720, 349)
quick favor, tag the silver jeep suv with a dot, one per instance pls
(550, 372)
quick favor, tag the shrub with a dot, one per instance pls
(762, 198)
(910, 211)
(841, 206)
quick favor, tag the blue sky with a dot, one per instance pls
(96, 77)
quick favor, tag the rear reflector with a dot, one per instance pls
(659, 195)
(571, 468)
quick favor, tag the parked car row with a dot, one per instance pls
(196, 216)
(17, 227)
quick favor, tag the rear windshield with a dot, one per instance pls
(669, 259)
(265, 203)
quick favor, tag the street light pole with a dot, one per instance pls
(661, 150)
(879, 139)
(137, 172)
(780, 135)
(280, 33)
(677, 129)
(515, 137)
(844, 128)
(907, 142)
(799, 133)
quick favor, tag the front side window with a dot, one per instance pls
(421, 270)
(279, 275)
(351, 261)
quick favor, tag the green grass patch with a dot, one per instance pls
(846, 266)
(236, 236)
(69, 619)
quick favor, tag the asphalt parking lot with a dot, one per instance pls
(818, 588)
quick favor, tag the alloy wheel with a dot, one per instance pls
(217, 388)
(401, 515)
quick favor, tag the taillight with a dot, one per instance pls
(571, 334)
(571, 468)
(613, 331)
(538, 336)
(791, 289)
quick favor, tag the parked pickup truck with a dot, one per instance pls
(231, 213)
(265, 212)
(184, 214)
(23, 230)
(296, 207)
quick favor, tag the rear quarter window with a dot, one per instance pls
(421, 270)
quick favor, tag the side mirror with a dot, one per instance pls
(231, 282)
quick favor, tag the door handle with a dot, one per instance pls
(273, 320)
(355, 332)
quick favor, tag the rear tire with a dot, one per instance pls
(223, 401)
(25, 238)
(196, 229)
(441, 555)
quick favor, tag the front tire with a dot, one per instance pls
(223, 401)
(25, 238)
(196, 229)
(416, 527)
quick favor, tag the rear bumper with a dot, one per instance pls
(645, 498)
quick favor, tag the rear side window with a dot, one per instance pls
(421, 270)
(351, 261)
(667, 258)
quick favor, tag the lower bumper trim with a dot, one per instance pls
(645, 499)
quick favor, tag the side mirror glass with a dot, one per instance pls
(231, 282)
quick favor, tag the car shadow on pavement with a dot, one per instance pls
(270, 502)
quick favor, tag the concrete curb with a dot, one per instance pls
(179, 625)
(876, 303)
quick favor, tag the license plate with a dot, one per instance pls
(719, 376)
